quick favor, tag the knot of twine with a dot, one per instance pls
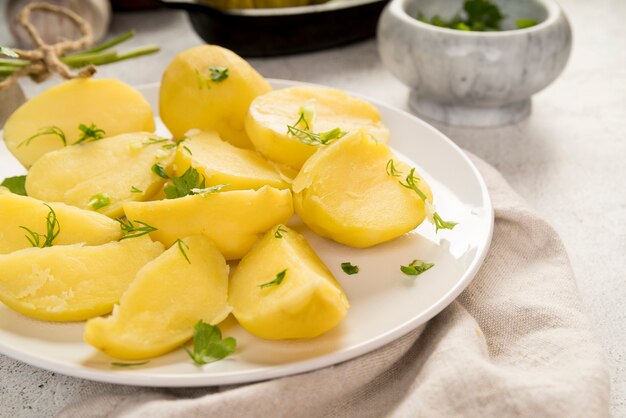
(45, 58)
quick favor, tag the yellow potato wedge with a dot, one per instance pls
(234, 220)
(74, 225)
(219, 162)
(114, 170)
(270, 115)
(109, 105)
(72, 282)
(281, 289)
(187, 283)
(344, 192)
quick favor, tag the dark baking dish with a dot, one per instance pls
(278, 31)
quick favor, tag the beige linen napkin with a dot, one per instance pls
(515, 343)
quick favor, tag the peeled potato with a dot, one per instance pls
(75, 225)
(193, 97)
(306, 303)
(157, 313)
(110, 105)
(219, 162)
(72, 282)
(117, 168)
(344, 193)
(271, 113)
(234, 220)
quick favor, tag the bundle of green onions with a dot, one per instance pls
(98, 55)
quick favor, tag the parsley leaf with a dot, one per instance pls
(183, 185)
(525, 23)
(277, 280)
(15, 184)
(348, 268)
(89, 133)
(416, 268)
(218, 74)
(208, 345)
(159, 170)
(482, 15)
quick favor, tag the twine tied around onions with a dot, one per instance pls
(45, 60)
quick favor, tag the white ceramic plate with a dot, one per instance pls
(385, 304)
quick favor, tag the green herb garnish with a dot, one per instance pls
(98, 201)
(15, 184)
(278, 233)
(208, 345)
(119, 364)
(182, 247)
(159, 171)
(218, 74)
(154, 141)
(410, 182)
(52, 130)
(89, 133)
(391, 169)
(416, 268)
(277, 280)
(525, 23)
(183, 185)
(349, 268)
(135, 190)
(478, 16)
(52, 231)
(310, 138)
(207, 190)
(132, 230)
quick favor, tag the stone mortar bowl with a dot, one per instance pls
(475, 79)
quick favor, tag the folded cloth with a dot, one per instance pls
(515, 343)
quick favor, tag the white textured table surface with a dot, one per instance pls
(568, 160)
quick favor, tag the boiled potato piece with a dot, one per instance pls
(75, 225)
(219, 162)
(234, 220)
(109, 105)
(270, 114)
(116, 169)
(306, 303)
(209, 88)
(154, 315)
(72, 282)
(344, 193)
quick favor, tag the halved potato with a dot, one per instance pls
(114, 170)
(187, 283)
(219, 162)
(209, 88)
(75, 225)
(344, 192)
(234, 220)
(281, 289)
(270, 115)
(108, 104)
(72, 282)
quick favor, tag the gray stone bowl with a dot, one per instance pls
(476, 79)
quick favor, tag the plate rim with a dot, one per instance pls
(137, 378)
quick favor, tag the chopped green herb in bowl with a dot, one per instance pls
(476, 16)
